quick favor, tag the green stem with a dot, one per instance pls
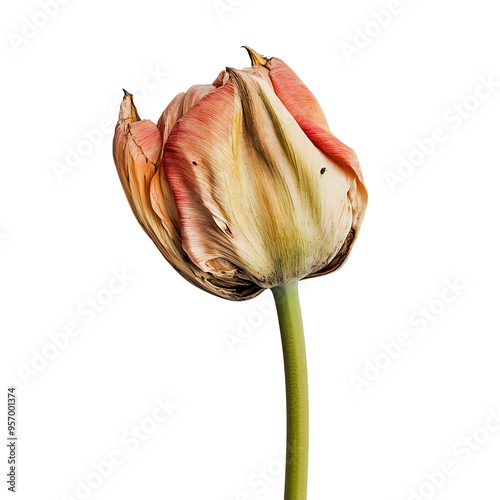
(297, 400)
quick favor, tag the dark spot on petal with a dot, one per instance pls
(194, 163)
(167, 149)
(322, 171)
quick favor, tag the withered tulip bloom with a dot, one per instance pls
(241, 184)
(242, 187)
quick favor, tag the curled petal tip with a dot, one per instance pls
(128, 111)
(257, 59)
(221, 79)
(230, 72)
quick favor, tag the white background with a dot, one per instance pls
(63, 236)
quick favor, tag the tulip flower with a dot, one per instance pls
(242, 187)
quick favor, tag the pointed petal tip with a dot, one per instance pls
(230, 71)
(257, 59)
(128, 111)
(221, 79)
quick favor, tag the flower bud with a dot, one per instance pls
(241, 184)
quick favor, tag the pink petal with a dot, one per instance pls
(194, 94)
(204, 133)
(304, 107)
(171, 114)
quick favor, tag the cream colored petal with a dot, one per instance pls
(305, 109)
